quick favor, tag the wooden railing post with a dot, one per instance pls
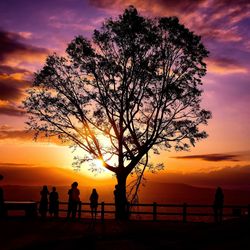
(102, 212)
(184, 213)
(154, 211)
(80, 210)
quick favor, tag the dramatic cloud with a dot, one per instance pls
(8, 70)
(221, 25)
(233, 11)
(170, 5)
(11, 45)
(211, 157)
(12, 88)
(213, 20)
(11, 110)
(16, 134)
(28, 136)
(223, 65)
(209, 10)
(14, 78)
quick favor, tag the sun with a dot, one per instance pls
(98, 163)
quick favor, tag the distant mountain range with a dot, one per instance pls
(152, 192)
(25, 182)
(237, 177)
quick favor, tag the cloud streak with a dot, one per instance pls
(14, 80)
(11, 88)
(11, 45)
(211, 157)
(28, 136)
(225, 65)
(11, 110)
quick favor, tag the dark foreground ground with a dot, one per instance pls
(20, 233)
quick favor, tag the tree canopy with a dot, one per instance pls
(134, 88)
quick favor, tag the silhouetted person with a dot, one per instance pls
(93, 203)
(43, 208)
(218, 205)
(2, 210)
(74, 199)
(53, 202)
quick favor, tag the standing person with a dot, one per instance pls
(2, 211)
(74, 199)
(53, 202)
(43, 208)
(218, 205)
(93, 203)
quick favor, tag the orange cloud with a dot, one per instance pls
(221, 65)
(12, 86)
(10, 109)
(14, 50)
(16, 134)
(5, 127)
(28, 136)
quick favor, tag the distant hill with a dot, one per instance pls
(38, 176)
(25, 182)
(179, 193)
(152, 192)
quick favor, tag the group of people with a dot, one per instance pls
(51, 204)
(50, 201)
(74, 199)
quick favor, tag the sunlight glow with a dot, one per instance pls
(99, 163)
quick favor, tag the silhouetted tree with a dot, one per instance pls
(132, 89)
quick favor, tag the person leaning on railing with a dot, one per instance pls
(218, 205)
(74, 200)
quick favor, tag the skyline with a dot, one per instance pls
(26, 40)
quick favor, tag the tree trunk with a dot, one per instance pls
(121, 203)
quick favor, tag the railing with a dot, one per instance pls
(156, 211)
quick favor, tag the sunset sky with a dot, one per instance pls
(30, 30)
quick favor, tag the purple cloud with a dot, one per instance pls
(211, 157)
(11, 44)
